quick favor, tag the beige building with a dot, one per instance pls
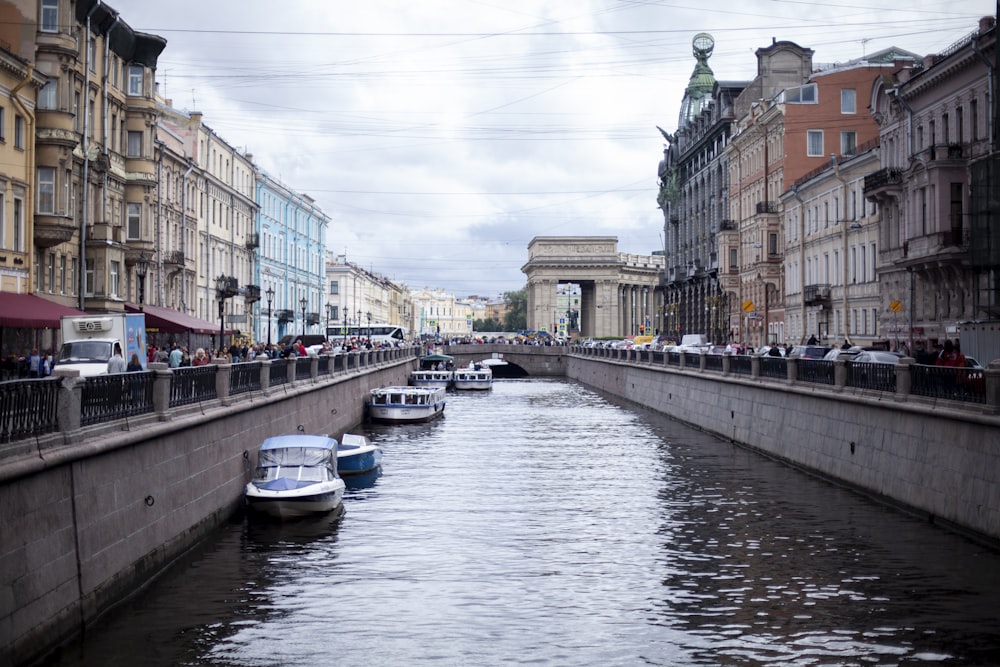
(436, 312)
(356, 297)
(830, 234)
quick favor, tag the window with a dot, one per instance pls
(47, 95)
(814, 143)
(3, 125)
(52, 271)
(113, 272)
(62, 274)
(973, 120)
(47, 190)
(74, 275)
(134, 80)
(18, 225)
(134, 148)
(92, 54)
(134, 225)
(772, 244)
(19, 131)
(848, 143)
(49, 19)
(88, 279)
(848, 100)
(733, 263)
(334, 287)
(800, 95)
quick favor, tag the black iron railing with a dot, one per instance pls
(192, 384)
(244, 377)
(28, 408)
(116, 396)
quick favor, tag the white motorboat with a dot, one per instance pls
(406, 404)
(296, 476)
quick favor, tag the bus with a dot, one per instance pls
(376, 333)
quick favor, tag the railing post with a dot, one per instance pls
(161, 389)
(223, 380)
(755, 366)
(792, 366)
(904, 378)
(265, 375)
(702, 361)
(313, 367)
(69, 399)
(290, 369)
(682, 357)
(727, 363)
(840, 373)
(991, 378)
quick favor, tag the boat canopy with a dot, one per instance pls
(297, 450)
(437, 357)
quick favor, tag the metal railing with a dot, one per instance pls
(192, 384)
(28, 408)
(244, 377)
(818, 371)
(774, 367)
(303, 370)
(107, 397)
(279, 372)
(960, 384)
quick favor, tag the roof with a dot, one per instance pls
(299, 440)
(169, 320)
(32, 312)
(437, 357)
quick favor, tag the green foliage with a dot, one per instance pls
(489, 324)
(517, 310)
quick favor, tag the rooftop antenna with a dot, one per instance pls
(864, 43)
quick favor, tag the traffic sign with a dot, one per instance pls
(748, 306)
(895, 306)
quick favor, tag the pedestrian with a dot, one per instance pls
(134, 364)
(116, 364)
(34, 364)
(175, 356)
(812, 340)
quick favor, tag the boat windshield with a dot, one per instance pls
(294, 456)
(320, 473)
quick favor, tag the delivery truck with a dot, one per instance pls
(88, 341)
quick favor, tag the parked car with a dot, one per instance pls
(810, 351)
(877, 357)
(765, 350)
(835, 353)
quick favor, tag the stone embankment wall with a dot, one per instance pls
(85, 524)
(935, 460)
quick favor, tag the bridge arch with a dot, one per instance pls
(621, 294)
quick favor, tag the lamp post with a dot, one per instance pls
(221, 288)
(270, 298)
(141, 268)
(369, 314)
(303, 302)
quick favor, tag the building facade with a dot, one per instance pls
(938, 245)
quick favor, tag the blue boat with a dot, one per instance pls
(356, 455)
(296, 476)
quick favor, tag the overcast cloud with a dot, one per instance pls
(442, 136)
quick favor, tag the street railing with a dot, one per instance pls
(65, 402)
(971, 386)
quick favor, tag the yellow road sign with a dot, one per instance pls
(895, 306)
(748, 306)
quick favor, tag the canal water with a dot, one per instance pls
(541, 523)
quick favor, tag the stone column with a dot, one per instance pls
(222, 380)
(161, 389)
(68, 401)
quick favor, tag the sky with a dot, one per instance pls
(442, 136)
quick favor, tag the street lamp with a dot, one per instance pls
(221, 287)
(270, 298)
(369, 314)
(303, 302)
(141, 268)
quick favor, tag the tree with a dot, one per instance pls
(489, 324)
(516, 317)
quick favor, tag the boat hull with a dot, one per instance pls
(358, 462)
(405, 414)
(474, 380)
(294, 503)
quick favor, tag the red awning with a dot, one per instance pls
(32, 312)
(169, 320)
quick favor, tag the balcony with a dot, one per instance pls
(816, 294)
(767, 207)
(230, 286)
(173, 258)
(284, 315)
(251, 293)
(889, 177)
(51, 230)
(728, 226)
(253, 241)
(312, 318)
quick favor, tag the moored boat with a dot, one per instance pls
(433, 370)
(474, 376)
(357, 455)
(406, 404)
(296, 476)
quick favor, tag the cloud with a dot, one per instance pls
(442, 136)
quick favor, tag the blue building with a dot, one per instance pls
(291, 261)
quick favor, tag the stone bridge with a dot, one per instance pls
(522, 360)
